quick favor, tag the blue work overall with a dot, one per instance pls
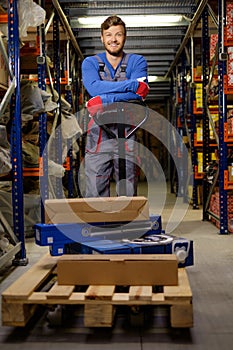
(102, 157)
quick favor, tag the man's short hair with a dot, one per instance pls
(112, 21)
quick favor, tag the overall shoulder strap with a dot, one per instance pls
(121, 71)
(103, 69)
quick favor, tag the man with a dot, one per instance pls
(112, 76)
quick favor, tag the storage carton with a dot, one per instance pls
(120, 269)
(230, 173)
(92, 210)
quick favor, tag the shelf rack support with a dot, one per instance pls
(57, 86)
(43, 153)
(16, 134)
(68, 97)
(206, 132)
(222, 103)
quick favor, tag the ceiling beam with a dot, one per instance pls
(189, 32)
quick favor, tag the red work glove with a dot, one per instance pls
(142, 90)
(94, 105)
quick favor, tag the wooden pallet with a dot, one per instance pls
(38, 286)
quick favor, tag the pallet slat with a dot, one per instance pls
(58, 291)
(140, 293)
(100, 292)
(31, 279)
(182, 290)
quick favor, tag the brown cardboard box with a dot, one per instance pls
(109, 209)
(133, 269)
(230, 173)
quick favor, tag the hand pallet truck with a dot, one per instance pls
(138, 237)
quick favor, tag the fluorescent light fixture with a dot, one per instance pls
(155, 78)
(132, 21)
(152, 78)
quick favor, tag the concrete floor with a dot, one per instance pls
(211, 280)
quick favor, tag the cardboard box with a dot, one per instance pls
(120, 269)
(230, 173)
(92, 210)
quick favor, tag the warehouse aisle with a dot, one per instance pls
(211, 280)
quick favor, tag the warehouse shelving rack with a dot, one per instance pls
(222, 139)
(17, 236)
(191, 132)
(206, 131)
(222, 102)
(58, 84)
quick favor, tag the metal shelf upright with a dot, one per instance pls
(69, 99)
(16, 136)
(179, 88)
(57, 86)
(222, 103)
(192, 130)
(43, 153)
(206, 131)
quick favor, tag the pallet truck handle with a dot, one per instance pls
(110, 133)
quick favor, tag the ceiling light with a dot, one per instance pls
(131, 21)
(156, 78)
(152, 78)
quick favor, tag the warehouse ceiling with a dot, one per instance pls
(160, 44)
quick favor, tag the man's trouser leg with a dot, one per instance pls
(98, 169)
(131, 176)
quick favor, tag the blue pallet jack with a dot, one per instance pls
(115, 237)
(105, 238)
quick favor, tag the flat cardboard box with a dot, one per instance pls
(119, 269)
(91, 210)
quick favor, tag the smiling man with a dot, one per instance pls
(109, 77)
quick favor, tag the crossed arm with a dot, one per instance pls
(106, 92)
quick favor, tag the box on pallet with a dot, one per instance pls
(135, 270)
(91, 210)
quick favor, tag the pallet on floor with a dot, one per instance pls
(38, 287)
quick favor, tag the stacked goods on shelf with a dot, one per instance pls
(200, 162)
(230, 121)
(229, 21)
(215, 209)
(230, 67)
(213, 43)
(199, 128)
(198, 95)
(229, 36)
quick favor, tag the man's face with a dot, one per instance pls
(114, 39)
